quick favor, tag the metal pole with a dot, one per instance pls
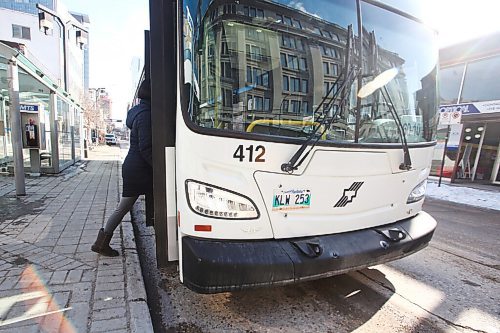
(163, 32)
(444, 154)
(65, 55)
(478, 154)
(15, 120)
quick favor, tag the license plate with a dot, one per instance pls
(291, 199)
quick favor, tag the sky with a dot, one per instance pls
(455, 20)
(117, 34)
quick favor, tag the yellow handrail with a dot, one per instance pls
(283, 122)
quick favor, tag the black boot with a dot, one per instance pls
(101, 245)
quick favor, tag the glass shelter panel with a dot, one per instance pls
(64, 132)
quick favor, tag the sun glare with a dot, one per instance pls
(458, 21)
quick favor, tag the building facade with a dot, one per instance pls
(27, 6)
(469, 86)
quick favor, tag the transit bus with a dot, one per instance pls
(292, 140)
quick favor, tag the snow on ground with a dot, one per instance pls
(464, 195)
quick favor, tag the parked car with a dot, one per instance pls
(110, 139)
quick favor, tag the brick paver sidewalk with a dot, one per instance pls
(50, 280)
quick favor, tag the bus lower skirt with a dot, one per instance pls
(213, 266)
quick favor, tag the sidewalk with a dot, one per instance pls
(472, 194)
(50, 280)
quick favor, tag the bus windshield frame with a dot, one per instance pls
(248, 75)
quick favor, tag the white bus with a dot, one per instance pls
(298, 141)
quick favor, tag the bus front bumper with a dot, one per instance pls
(213, 266)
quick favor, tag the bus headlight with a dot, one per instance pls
(417, 193)
(208, 200)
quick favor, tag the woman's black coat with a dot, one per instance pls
(137, 169)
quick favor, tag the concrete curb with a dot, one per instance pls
(140, 318)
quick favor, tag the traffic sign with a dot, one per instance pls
(450, 116)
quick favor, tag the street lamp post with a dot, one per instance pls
(46, 24)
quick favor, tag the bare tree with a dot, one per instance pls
(92, 115)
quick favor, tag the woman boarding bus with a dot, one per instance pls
(304, 136)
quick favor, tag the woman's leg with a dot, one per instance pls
(101, 244)
(125, 205)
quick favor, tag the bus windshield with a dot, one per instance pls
(280, 69)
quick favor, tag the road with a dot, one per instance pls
(450, 286)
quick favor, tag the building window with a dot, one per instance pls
(253, 12)
(288, 21)
(225, 69)
(284, 63)
(284, 106)
(293, 62)
(295, 84)
(255, 53)
(300, 44)
(330, 52)
(267, 104)
(229, 9)
(258, 103)
(279, 18)
(325, 89)
(305, 85)
(296, 24)
(19, 31)
(286, 86)
(292, 43)
(302, 64)
(330, 69)
(327, 86)
(254, 33)
(335, 69)
(257, 76)
(227, 97)
(305, 107)
(450, 79)
(265, 79)
(481, 81)
(224, 49)
(249, 74)
(317, 31)
(295, 107)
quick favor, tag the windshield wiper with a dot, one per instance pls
(349, 71)
(294, 162)
(406, 165)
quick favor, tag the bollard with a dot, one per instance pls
(85, 152)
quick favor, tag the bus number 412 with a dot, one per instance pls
(259, 152)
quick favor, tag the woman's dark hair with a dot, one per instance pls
(144, 90)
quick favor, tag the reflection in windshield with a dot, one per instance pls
(392, 41)
(274, 67)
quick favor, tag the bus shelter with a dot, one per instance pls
(51, 120)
